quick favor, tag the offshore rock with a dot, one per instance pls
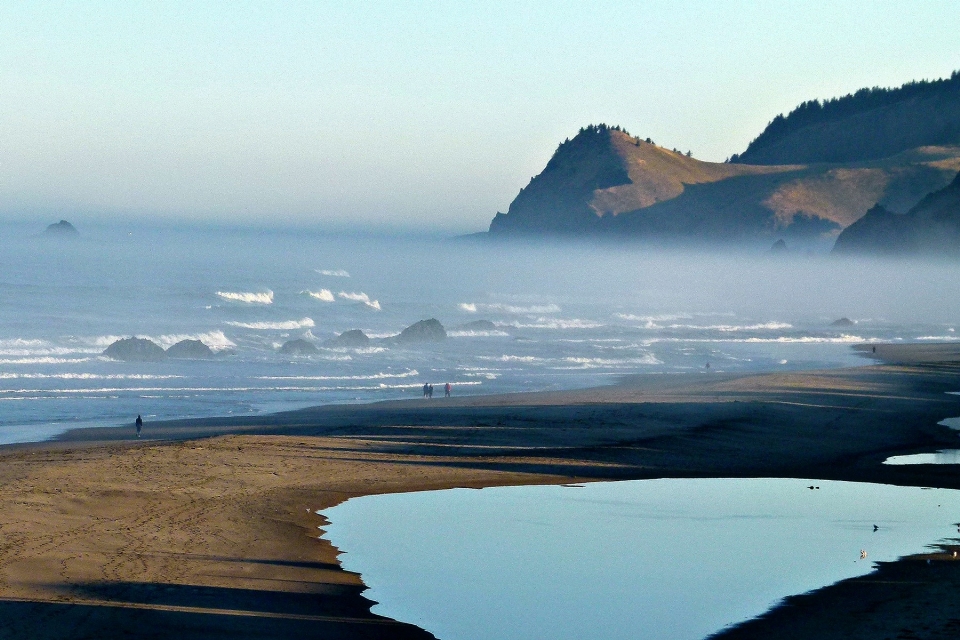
(190, 349)
(135, 350)
(62, 229)
(424, 331)
(298, 347)
(355, 338)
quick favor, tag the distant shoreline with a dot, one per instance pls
(209, 527)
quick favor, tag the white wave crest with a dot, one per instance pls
(939, 338)
(264, 297)
(213, 339)
(558, 323)
(842, 339)
(44, 360)
(324, 295)
(360, 297)
(85, 376)
(510, 358)
(286, 325)
(333, 273)
(477, 334)
(667, 317)
(730, 328)
(409, 373)
(474, 307)
(594, 363)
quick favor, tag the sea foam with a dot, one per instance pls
(475, 307)
(324, 295)
(264, 297)
(286, 325)
(360, 297)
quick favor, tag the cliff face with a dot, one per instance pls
(606, 182)
(932, 227)
(558, 199)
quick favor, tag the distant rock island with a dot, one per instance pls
(932, 227)
(809, 175)
(355, 338)
(62, 229)
(842, 322)
(135, 350)
(298, 347)
(424, 331)
(190, 349)
(477, 325)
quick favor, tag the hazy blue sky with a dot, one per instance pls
(403, 113)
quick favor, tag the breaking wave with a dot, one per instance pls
(333, 273)
(729, 328)
(44, 360)
(85, 376)
(265, 297)
(594, 363)
(474, 307)
(213, 339)
(558, 323)
(287, 325)
(324, 295)
(360, 297)
(410, 373)
(477, 334)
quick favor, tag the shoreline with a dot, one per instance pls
(211, 528)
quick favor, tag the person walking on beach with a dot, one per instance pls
(446, 390)
(430, 391)
(139, 424)
(426, 389)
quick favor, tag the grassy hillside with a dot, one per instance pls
(931, 227)
(606, 181)
(866, 125)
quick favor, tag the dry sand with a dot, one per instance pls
(208, 529)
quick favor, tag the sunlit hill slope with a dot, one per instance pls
(607, 182)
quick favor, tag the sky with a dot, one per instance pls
(411, 115)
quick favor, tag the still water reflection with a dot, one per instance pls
(645, 559)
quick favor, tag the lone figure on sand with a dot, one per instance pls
(446, 390)
(139, 424)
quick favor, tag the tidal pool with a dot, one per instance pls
(671, 558)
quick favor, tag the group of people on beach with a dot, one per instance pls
(427, 393)
(428, 390)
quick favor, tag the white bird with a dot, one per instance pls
(863, 554)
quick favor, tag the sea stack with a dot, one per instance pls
(62, 229)
(135, 350)
(424, 331)
(190, 350)
(298, 347)
(354, 338)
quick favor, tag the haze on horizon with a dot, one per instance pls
(424, 116)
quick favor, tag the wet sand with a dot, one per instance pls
(206, 527)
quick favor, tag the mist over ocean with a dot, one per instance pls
(566, 316)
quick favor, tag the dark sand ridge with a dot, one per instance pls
(103, 536)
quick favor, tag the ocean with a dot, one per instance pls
(565, 316)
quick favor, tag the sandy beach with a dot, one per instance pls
(207, 527)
